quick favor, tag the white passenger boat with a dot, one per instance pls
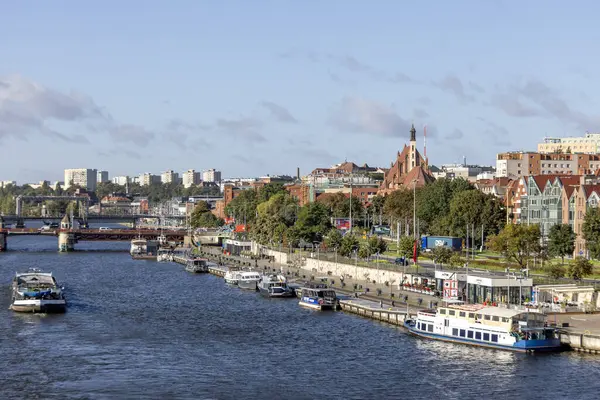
(37, 292)
(196, 265)
(248, 280)
(164, 255)
(493, 327)
(232, 276)
(138, 246)
(318, 298)
(274, 286)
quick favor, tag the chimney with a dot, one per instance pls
(298, 173)
(464, 161)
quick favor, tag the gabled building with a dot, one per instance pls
(585, 197)
(410, 168)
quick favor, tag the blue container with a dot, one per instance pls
(431, 242)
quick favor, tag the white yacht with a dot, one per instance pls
(232, 276)
(484, 326)
(248, 280)
(164, 255)
(138, 246)
(37, 292)
(318, 298)
(274, 286)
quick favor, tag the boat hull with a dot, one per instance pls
(275, 295)
(39, 306)
(248, 285)
(319, 307)
(533, 346)
(230, 281)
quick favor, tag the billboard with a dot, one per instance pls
(381, 230)
(342, 223)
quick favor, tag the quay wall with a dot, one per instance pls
(581, 341)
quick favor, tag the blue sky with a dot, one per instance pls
(261, 87)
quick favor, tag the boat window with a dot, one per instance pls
(418, 325)
(454, 331)
(486, 317)
(442, 311)
(494, 338)
(486, 336)
(430, 328)
(504, 319)
(471, 315)
(495, 318)
(478, 335)
(451, 312)
(470, 334)
(479, 316)
(462, 333)
(462, 314)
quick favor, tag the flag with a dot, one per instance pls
(415, 252)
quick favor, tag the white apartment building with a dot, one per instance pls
(120, 180)
(211, 175)
(84, 177)
(147, 179)
(169, 177)
(589, 144)
(6, 183)
(190, 178)
(102, 177)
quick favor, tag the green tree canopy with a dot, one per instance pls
(580, 268)
(517, 243)
(333, 239)
(591, 232)
(313, 222)
(406, 247)
(442, 254)
(561, 241)
(348, 245)
(202, 217)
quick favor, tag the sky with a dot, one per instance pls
(262, 87)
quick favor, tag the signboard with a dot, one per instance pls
(240, 228)
(381, 230)
(450, 289)
(229, 220)
(342, 223)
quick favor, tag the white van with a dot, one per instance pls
(104, 228)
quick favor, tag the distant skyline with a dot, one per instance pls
(263, 87)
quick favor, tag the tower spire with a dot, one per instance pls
(413, 133)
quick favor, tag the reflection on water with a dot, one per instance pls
(151, 330)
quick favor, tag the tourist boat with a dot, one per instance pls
(479, 325)
(37, 292)
(196, 265)
(248, 280)
(164, 255)
(274, 286)
(138, 246)
(318, 298)
(232, 275)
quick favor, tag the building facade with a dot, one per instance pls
(190, 178)
(7, 183)
(211, 175)
(102, 177)
(84, 177)
(588, 144)
(169, 177)
(147, 179)
(120, 180)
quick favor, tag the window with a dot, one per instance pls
(575, 297)
(470, 334)
(462, 333)
(454, 332)
(462, 314)
(451, 312)
(486, 336)
(479, 316)
(471, 315)
(443, 311)
(430, 328)
(494, 338)
(495, 318)
(478, 335)
(486, 317)
(504, 319)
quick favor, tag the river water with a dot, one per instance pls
(140, 329)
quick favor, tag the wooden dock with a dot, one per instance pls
(217, 270)
(373, 310)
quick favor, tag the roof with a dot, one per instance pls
(481, 309)
(542, 180)
(589, 189)
(569, 190)
(420, 175)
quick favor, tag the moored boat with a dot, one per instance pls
(318, 298)
(37, 292)
(138, 246)
(248, 280)
(164, 255)
(232, 275)
(274, 286)
(196, 265)
(492, 327)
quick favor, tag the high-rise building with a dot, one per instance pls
(84, 177)
(6, 183)
(190, 178)
(120, 180)
(148, 179)
(102, 177)
(169, 177)
(211, 175)
(588, 144)
(517, 164)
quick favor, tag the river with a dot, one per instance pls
(140, 329)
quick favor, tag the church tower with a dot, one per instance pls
(413, 147)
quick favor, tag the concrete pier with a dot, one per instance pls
(374, 310)
(66, 241)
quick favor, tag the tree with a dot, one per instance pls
(517, 243)
(334, 238)
(313, 221)
(206, 220)
(243, 206)
(339, 205)
(580, 268)
(433, 203)
(561, 241)
(364, 251)
(442, 255)
(475, 209)
(399, 204)
(349, 243)
(274, 217)
(406, 247)
(555, 271)
(376, 245)
(591, 231)
(456, 261)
